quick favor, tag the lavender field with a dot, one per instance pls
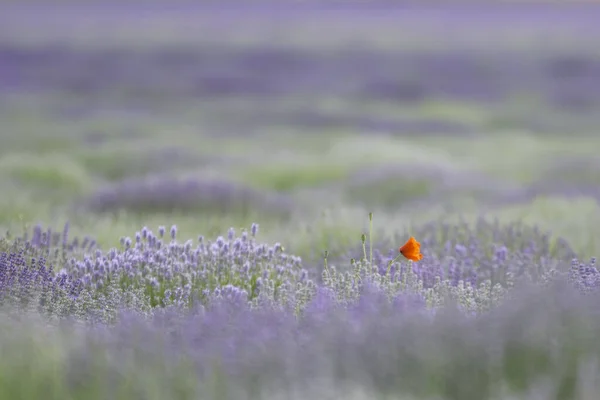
(206, 201)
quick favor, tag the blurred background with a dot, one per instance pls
(302, 117)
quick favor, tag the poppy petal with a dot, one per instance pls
(411, 250)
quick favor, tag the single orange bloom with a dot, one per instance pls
(411, 249)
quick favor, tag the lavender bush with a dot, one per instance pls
(32, 278)
(486, 251)
(472, 265)
(173, 273)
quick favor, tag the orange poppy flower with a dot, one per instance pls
(411, 249)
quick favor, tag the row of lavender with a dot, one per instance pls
(472, 266)
(242, 318)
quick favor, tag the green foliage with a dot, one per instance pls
(287, 177)
(390, 192)
(116, 165)
(44, 173)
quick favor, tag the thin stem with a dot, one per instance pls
(371, 238)
(391, 262)
(363, 239)
(325, 263)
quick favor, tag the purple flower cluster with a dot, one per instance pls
(19, 278)
(54, 244)
(584, 276)
(174, 273)
(488, 251)
(29, 280)
(154, 269)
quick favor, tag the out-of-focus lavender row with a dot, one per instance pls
(216, 66)
(202, 72)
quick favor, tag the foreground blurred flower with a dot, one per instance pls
(411, 249)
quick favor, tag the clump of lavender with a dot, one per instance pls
(30, 284)
(156, 270)
(473, 266)
(487, 251)
(404, 283)
(584, 276)
(54, 247)
(175, 273)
